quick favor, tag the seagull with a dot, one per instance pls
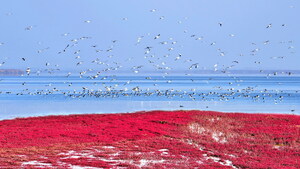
(64, 49)
(178, 57)
(195, 65)
(65, 34)
(157, 36)
(269, 26)
(139, 39)
(136, 89)
(28, 70)
(215, 67)
(199, 38)
(266, 42)
(79, 63)
(76, 52)
(69, 73)
(28, 28)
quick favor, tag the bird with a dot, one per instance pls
(136, 89)
(28, 28)
(195, 65)
(157, 36)
(28, 70)
(178, 57)
(65, 34)
(79, 63)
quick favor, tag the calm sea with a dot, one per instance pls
(26, 96)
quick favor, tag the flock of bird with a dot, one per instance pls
(161, 54)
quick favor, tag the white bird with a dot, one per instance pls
(28, 70)
(178, 57)
(269, 26)
(65, 34)
(195, 65)
(157, 36)
(28, 28)
(136, 89)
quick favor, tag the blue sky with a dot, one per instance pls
(243, 36)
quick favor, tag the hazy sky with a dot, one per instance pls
(33, 30)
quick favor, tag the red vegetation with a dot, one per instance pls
(157, 139)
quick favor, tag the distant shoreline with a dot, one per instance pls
(11, 72)
(19, 72)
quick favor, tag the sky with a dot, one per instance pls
(149, 35)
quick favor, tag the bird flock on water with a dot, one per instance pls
(162, 54)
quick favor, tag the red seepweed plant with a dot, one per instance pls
(156, 139)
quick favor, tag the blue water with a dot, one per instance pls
(24, 96)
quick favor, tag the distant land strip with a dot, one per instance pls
(11, 72)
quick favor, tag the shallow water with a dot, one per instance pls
(52, 95)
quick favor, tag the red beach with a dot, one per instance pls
(155, 139)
